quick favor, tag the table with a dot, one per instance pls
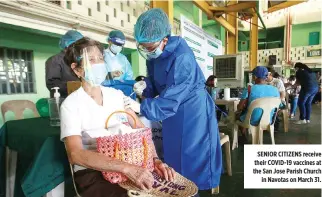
(232, 108)
(42, 162)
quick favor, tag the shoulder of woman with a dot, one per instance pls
(111, 91)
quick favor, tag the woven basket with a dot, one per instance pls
(180, 187)
(135, 148)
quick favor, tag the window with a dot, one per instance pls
(134, 12)
(55, 2)
(98, 6)
(128, 2)
(107, 18)
(122, 23)
(106, 2)
(121, 7)
(128, 18)
(16, 71)
(89, 12)
(79, 2)
(69, 5)
(115, 13)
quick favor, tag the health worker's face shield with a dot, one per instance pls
(93, 65)
(150, 50)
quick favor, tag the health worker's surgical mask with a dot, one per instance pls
(149, 55)
(96, 75)
(115, 49)
(292, 82)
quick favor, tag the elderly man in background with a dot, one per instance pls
(57, 72)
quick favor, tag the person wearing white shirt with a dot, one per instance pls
(278, 83)
(83, 117)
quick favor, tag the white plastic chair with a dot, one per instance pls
(72, 173)
(224, 140)
(267, 105)
(17, 107)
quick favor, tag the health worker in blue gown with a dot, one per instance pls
(119, 69)
(175, 94)
(118, 66)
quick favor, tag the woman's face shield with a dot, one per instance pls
(93, 65)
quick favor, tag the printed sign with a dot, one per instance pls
(166, 186)
(204, 46)
(313, 53)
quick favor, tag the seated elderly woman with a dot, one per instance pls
(83, 116)
(259, 90)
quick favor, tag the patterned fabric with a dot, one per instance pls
(134, 148)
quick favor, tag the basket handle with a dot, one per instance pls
(109, 117)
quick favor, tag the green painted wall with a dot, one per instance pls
(300, 33)
(42, 46)
(183, 8)
(138, 64)
(213, 28)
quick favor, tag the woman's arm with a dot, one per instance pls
(242, 105)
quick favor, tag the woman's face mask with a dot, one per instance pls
(116, 49)
(96, 75)
(94, 67)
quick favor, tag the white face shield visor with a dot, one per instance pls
(94, 66)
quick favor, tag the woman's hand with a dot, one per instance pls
(142, 177)
(164, 170)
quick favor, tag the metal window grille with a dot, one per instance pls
(16, 71)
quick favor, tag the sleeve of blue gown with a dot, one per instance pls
(177, 89)
(128, 75)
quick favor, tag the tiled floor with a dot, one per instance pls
(298, 134)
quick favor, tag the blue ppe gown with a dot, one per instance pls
(118, 62)
(191, 141)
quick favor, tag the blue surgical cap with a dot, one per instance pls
(260, 72)
(69, 38)
(152, 26)
(116, 37)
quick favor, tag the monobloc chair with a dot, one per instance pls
(72, 86)
(267, 104)
(285, 112)
(72, 173)
(224, 140)
(17, 107)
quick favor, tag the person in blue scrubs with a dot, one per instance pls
(309, 87)
(118, 67)
(175, 94)
(119, 70)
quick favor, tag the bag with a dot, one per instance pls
(135, 148)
